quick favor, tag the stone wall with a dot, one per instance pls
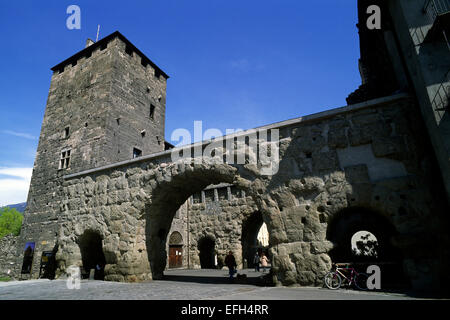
(369, 157)
(8, 256)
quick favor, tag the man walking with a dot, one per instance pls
(230, 262)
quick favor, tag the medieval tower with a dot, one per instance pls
(106, 104)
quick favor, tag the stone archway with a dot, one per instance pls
(172, 191)
(92, 256)
(347, 223)
(250, 229)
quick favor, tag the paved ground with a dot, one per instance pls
(180, 285)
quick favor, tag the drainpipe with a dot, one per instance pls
(188, 232)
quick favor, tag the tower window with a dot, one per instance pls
(157, 73)
(136, 153)
(66, 132)
(128, 50)
(152, 112)
(64, 162)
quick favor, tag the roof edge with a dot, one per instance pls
(99, 43)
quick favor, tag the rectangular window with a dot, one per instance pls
(152, 112)
(136, 153)
(66, 132)
(64, 161)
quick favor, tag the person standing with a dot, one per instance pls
(256, 261)
(230, 262)
(264, 261)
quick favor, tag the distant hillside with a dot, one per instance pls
(18, 206)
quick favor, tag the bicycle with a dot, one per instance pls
(333, 279)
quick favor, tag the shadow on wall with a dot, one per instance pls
(379, 251)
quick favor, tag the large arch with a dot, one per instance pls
(350, 221)
(170, 194)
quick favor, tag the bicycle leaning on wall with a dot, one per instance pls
(343, 273)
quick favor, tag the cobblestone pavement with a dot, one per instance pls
(180, 285)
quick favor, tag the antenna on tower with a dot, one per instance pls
(98, 31)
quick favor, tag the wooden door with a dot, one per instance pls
(175, 256)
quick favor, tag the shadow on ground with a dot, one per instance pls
(219, 277)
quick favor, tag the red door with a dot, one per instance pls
(175, 256)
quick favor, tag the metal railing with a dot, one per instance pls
(441, 99)
(434, 8)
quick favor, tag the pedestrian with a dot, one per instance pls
(230, 262)
(264, 261)
(256, 261)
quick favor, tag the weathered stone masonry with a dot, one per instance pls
(366, 165)
(381, 164)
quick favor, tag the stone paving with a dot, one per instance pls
(179, 285)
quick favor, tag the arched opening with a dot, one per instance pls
(364, 245)
(254, 238)
(363, 237)
(207, 253)
(92, 256)
(175, 250)
(167, 198)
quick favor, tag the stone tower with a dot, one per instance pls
(106, 104)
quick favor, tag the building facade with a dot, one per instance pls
(106, 190)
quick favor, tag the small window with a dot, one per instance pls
(66, 132)
(157, 73)
(64, 162)
(128, 50)
(143, 133)
(136, 153)
(152, 112)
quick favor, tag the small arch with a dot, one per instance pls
(175, 238)
(251, 228)
(92, 256)
(175, 250)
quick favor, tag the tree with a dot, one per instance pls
(10, 221)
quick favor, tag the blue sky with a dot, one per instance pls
(232, 64)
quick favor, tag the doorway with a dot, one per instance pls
(206, 246)
(92, 255)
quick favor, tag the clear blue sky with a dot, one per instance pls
(232, 64)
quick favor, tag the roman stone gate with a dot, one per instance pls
(361, 167)
(108, 189)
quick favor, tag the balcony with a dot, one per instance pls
(438, 15)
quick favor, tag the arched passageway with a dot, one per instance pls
(167, 198)
(363, 237)
(92, 256)
(249, 239)
(206, 247)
